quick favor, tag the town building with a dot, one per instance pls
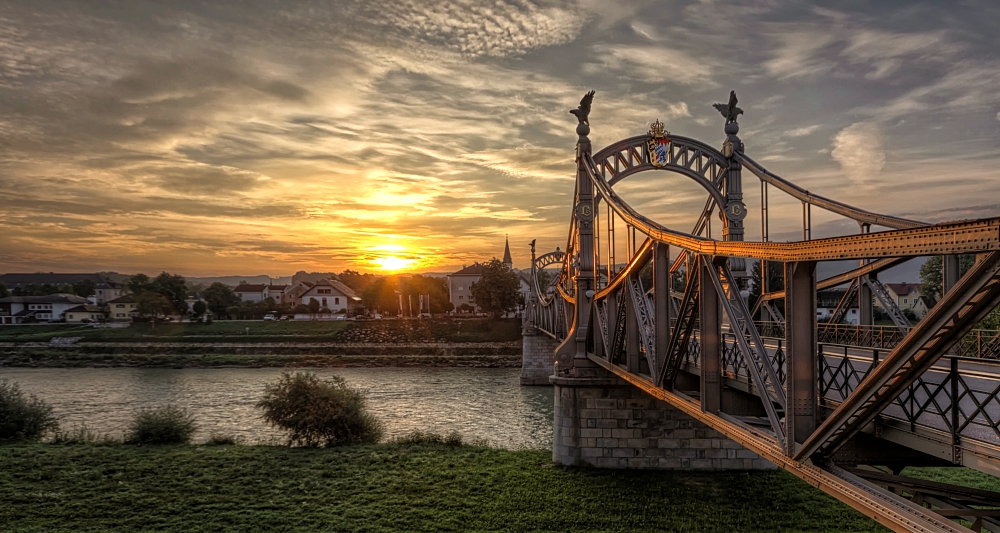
(48, 308)
(827, 302)
(123, 309)
(907, 296)
(333, 295)
(460, 287)
(460, 283)
(105, 289)
(85, 313)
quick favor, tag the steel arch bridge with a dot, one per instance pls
(819, 389)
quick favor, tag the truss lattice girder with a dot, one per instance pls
(644, 317)
(843, 305)
(956, 314)
(883, 296)
(757, 359)
(840, 279)
(975, 236)
(687, 314)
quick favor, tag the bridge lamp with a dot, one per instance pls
(590, 295)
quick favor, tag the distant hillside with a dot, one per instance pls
(236, 280)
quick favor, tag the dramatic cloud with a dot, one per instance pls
(273, 136)
(860, 151)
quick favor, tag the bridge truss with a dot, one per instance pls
(825, 402)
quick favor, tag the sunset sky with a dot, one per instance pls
(266, 137)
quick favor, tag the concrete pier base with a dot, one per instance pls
(605, 422)
(538, 355)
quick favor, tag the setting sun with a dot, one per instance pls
(393, 263)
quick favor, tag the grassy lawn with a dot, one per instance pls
(387, 487)
(466, 330)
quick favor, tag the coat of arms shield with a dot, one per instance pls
(658, 145)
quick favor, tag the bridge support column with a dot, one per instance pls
(605, 422)
(801, 357)
(711, 340)
(538, 353)
(661, 296)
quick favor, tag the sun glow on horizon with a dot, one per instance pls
(392, 263)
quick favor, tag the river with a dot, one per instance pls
(479, 403)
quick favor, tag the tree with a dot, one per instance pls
(931, 275)
(356, 280)
(138, 284)
(85, 288)
(199, 308)
(435, 288)
(381, 295)
(3, 290)
(496, 291)
(153, 304)
(219, 298)
(173, 288)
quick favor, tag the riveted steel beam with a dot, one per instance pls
(975, 295)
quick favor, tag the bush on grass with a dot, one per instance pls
(23, 417)
(315, 412)
(82, 434)
(421, 437)
(164, 425)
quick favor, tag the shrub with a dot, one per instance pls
(316, 412)
(451, 439)
(23, 417)
(222, 440)
(164, 425)
(82, 434)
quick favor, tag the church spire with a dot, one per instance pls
(506, 252)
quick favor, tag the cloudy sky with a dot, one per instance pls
(274, 135)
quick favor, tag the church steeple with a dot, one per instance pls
(506, 252)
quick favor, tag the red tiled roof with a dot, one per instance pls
(904, 288)
(474, 270)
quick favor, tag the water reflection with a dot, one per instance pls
(480, 403)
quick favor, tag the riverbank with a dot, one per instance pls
(432, 343)
(264, 356)
(387, 487)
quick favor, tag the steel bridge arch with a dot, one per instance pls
(688, 157)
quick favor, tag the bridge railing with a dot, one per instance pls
(978, 343)
(927, 403)
(958, 395)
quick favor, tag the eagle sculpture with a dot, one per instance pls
(729, 111)
(583, 112)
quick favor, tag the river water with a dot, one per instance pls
(479, 403)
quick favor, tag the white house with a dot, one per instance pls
(49, 308)
(826, 305)
(333, 295)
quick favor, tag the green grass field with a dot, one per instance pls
(387, 487)
(442, 330)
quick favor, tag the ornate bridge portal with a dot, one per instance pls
(659, 361)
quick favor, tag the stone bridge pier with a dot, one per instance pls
(537, 356)
(603, 421)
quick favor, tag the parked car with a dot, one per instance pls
(377, 317)
(285, 317)
(269, 316)
(340, 317)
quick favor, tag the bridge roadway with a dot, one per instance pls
(922, 418)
